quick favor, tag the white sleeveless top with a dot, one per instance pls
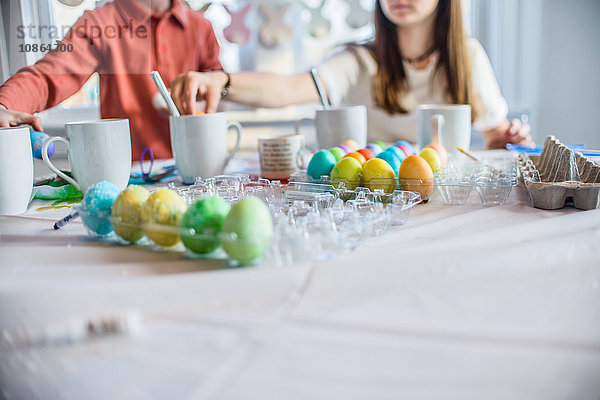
(347, 76)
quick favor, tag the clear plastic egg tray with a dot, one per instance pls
(492, 179)
(311, 221)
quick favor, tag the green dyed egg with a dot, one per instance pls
(202, 223)
(247, 229)
(127, 213)
(337, 152)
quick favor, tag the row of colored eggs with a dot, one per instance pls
(377, 168)
(165, 219)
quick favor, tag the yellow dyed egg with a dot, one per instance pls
(347, 170)
(161, 214)
(127, 213)
(432, 157)
(378, 174)
(441, 151)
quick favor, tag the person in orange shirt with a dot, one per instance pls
(123, 41)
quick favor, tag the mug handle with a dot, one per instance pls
(301, 157)
(297, 126)
(49, 164)
(238, 129)
(437, 128)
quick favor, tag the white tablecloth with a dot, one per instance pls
(462, 302)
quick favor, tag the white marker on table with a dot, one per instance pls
(74, 330)
(160, 85)
(320, 90)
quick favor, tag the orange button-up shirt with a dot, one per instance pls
(122, 41)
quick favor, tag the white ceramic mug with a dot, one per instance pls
(338, 124)
(280, 156)
(16, 170)
(446, 124)
(199, 144)
(97, 150)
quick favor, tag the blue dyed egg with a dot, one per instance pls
(375, 148)
(389, 157)
(397, 151)
(37, 141)
(321, 163)
(96, 207)
(406, 144)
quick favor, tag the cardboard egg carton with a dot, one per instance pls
(559, 174)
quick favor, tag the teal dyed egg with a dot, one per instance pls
(398, 152)
(389, 157)
(96, 207)
(321, 163)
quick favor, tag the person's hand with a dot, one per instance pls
(10, 118)
(514, 132)
(187, 88)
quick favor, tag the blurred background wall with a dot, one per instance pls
(568, 100)
(545, 54)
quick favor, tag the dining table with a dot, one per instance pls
(460, 302)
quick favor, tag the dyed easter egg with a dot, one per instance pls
(367, 153)
(399, 153)
(441, 151)
(96, 207)
(416, 175)
(37, 141)
(378, 174)
(337, 152)
(347, 170)
(381, 144)
(127, 213)
(351, 144)
(432, 157)
(202, 223)
(389, 157)
(375, 148)
(345, 148)
(320, 164)
(405, 150)
(356, 155)
(247, 229)
(406, 144)
(161, 214)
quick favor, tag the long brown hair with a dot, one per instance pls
(390, 83)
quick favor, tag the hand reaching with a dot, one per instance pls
(189, 87)
(515, 132)
(10, 118)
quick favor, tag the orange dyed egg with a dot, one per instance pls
(367, 153)
(352, 144)
(416, 175)
(359, 157)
